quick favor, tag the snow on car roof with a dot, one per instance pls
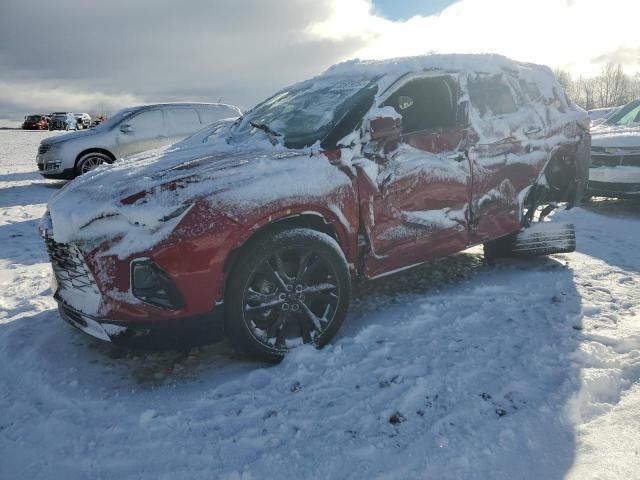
(486, 63)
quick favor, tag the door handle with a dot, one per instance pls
(532, 130)
(457, 157)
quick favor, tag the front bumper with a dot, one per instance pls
(183, 332)
(614, 182)
(66, 174)
(51, 165)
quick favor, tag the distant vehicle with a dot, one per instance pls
(130, 131)
(599, 115)
(615, 155)
(83, 119)
(97, 121)
(36, 122)
(256, 228)
(62, 121)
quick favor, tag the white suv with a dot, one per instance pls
(83, 119)
(130, 131)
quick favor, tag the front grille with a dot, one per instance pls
(43, 148)
(69, 267)
(615, 160)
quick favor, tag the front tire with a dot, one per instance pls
(292, 287)
(91, 161)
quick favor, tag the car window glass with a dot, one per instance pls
(425, 104)
(148, 121)
(211, 115)
(179, 119)
(491, 95)
(630, 117)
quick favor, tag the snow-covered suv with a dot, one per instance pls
(255, 228)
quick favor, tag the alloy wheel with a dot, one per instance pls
(90, 163)
(290, 298)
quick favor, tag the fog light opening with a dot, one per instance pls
(152, 285)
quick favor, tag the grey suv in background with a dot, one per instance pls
(130, 131)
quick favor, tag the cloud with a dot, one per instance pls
(63, 52)
(561, 34)
(623, 55)
(163, 50)
(50, 98)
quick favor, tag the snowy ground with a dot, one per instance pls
(524, 369)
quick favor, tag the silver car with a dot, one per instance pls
(130, 131)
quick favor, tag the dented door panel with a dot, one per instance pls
(417, 206)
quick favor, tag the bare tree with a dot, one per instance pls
(611, 88)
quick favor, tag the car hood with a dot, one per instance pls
(623, 136)
(141, 199)
(65, 137)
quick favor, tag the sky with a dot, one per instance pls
(82, 56)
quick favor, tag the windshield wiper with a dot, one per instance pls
(269, 131)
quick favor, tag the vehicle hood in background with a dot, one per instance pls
(623, 136)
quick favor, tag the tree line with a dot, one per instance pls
(611, 88)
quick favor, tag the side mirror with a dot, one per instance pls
(385, 128)
(126, 128)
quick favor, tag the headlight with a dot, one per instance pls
(152, 285)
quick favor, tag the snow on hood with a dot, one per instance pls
(624, 136)
(141, 200)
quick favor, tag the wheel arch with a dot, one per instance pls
(311, 219)
(104, 151)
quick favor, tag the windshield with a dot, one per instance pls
(317, 110)
(34, 118)
(59, 117)
(630, 113)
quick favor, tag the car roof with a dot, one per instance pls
(479, 63)
(182, 104)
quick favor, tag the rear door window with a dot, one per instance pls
(491, 95)
(182, 120)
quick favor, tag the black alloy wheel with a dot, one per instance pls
(292, 288)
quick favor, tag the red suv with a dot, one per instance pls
(255, 228)
(35, 122)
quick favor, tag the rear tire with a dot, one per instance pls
(291, 287)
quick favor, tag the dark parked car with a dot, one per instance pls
(256, 228)
(62, 121)
(35, 122)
